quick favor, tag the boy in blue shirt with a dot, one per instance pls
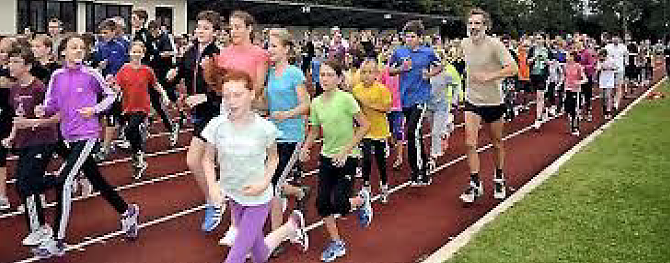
(413, 63)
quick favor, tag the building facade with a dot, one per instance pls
(84, 15)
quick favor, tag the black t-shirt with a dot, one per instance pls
(43, 72)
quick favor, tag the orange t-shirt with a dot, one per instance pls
(135, 84)
(524, 69)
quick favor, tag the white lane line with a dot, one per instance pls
(103, 238)
(118, 189)
(447, 251)
(151, 136)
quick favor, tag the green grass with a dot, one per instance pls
(609, 203)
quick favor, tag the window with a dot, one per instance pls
(164, 17)
(36, 14)
(97, 12)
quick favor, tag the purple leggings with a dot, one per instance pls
(249, 238)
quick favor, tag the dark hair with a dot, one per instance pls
(479, 11)
(22, 49)
(210, 16)
(153, 25)
(245, 16)
(56, 20)
(414, 26)
(68, 37)
(108, 25)
(335, 65)
(141, 14)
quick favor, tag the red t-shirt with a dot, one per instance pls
(135, 84)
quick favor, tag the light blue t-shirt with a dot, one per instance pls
(282, 95)
(241, 154)
(414, 89)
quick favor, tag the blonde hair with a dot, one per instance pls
(285, 39)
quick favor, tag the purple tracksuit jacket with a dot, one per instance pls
(73, 88)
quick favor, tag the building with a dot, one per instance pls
(85, 15)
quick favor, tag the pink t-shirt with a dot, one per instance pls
(573, 77)
(245, 58)
(393, 84)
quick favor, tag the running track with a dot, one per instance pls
(415, 222)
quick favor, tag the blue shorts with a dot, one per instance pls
(396, 121)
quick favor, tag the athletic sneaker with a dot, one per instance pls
(174, 134)
(499, 188)
(474, 190)
(139, 165)
(49, 248)
(300, 236)
(537, 124)
(85, 186)
(229, 238)
(384, 193)
(124, 144)
(367, 187)
(359, 172)
(39, 236)
(129, 223)
(301, 203)
(280, 249)
(4, 203)
(432, 164)
(365, 212)
(213, 215)
(575, 132)
(334, 250)
(101, 155)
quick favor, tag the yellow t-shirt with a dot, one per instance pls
(375, 102)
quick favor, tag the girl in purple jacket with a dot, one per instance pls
(72, 95)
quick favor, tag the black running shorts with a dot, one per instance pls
(488, 114)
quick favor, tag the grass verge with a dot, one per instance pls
(609, 203)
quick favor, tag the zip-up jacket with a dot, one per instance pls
(114, 51)
(71, 89)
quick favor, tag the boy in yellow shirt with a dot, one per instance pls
(375, 101)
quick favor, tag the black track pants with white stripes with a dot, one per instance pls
(416, 152)
(80, 159)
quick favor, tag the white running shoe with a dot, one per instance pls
(300, 236)
(39, 236)
(537, 124)
(229, 238)
(384, 193)
(4, 203)
(474, 190)
(499, 188)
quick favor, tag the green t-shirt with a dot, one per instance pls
(336, 118)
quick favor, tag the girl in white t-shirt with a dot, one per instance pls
(607, 68)
(244, 144)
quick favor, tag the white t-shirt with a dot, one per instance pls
(241, 154)
(619, 53)
(607, 80)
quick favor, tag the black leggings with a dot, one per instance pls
(80, 158)
(335, 187)
(136, 129)
(376, 148)
(158, 106)
(571, 104)
(416, 151)
(550, 96)
(587, 94)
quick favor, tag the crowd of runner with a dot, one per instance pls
(258, 103)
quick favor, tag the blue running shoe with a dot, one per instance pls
(334, 250)
(365, 212)
(213, 215)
